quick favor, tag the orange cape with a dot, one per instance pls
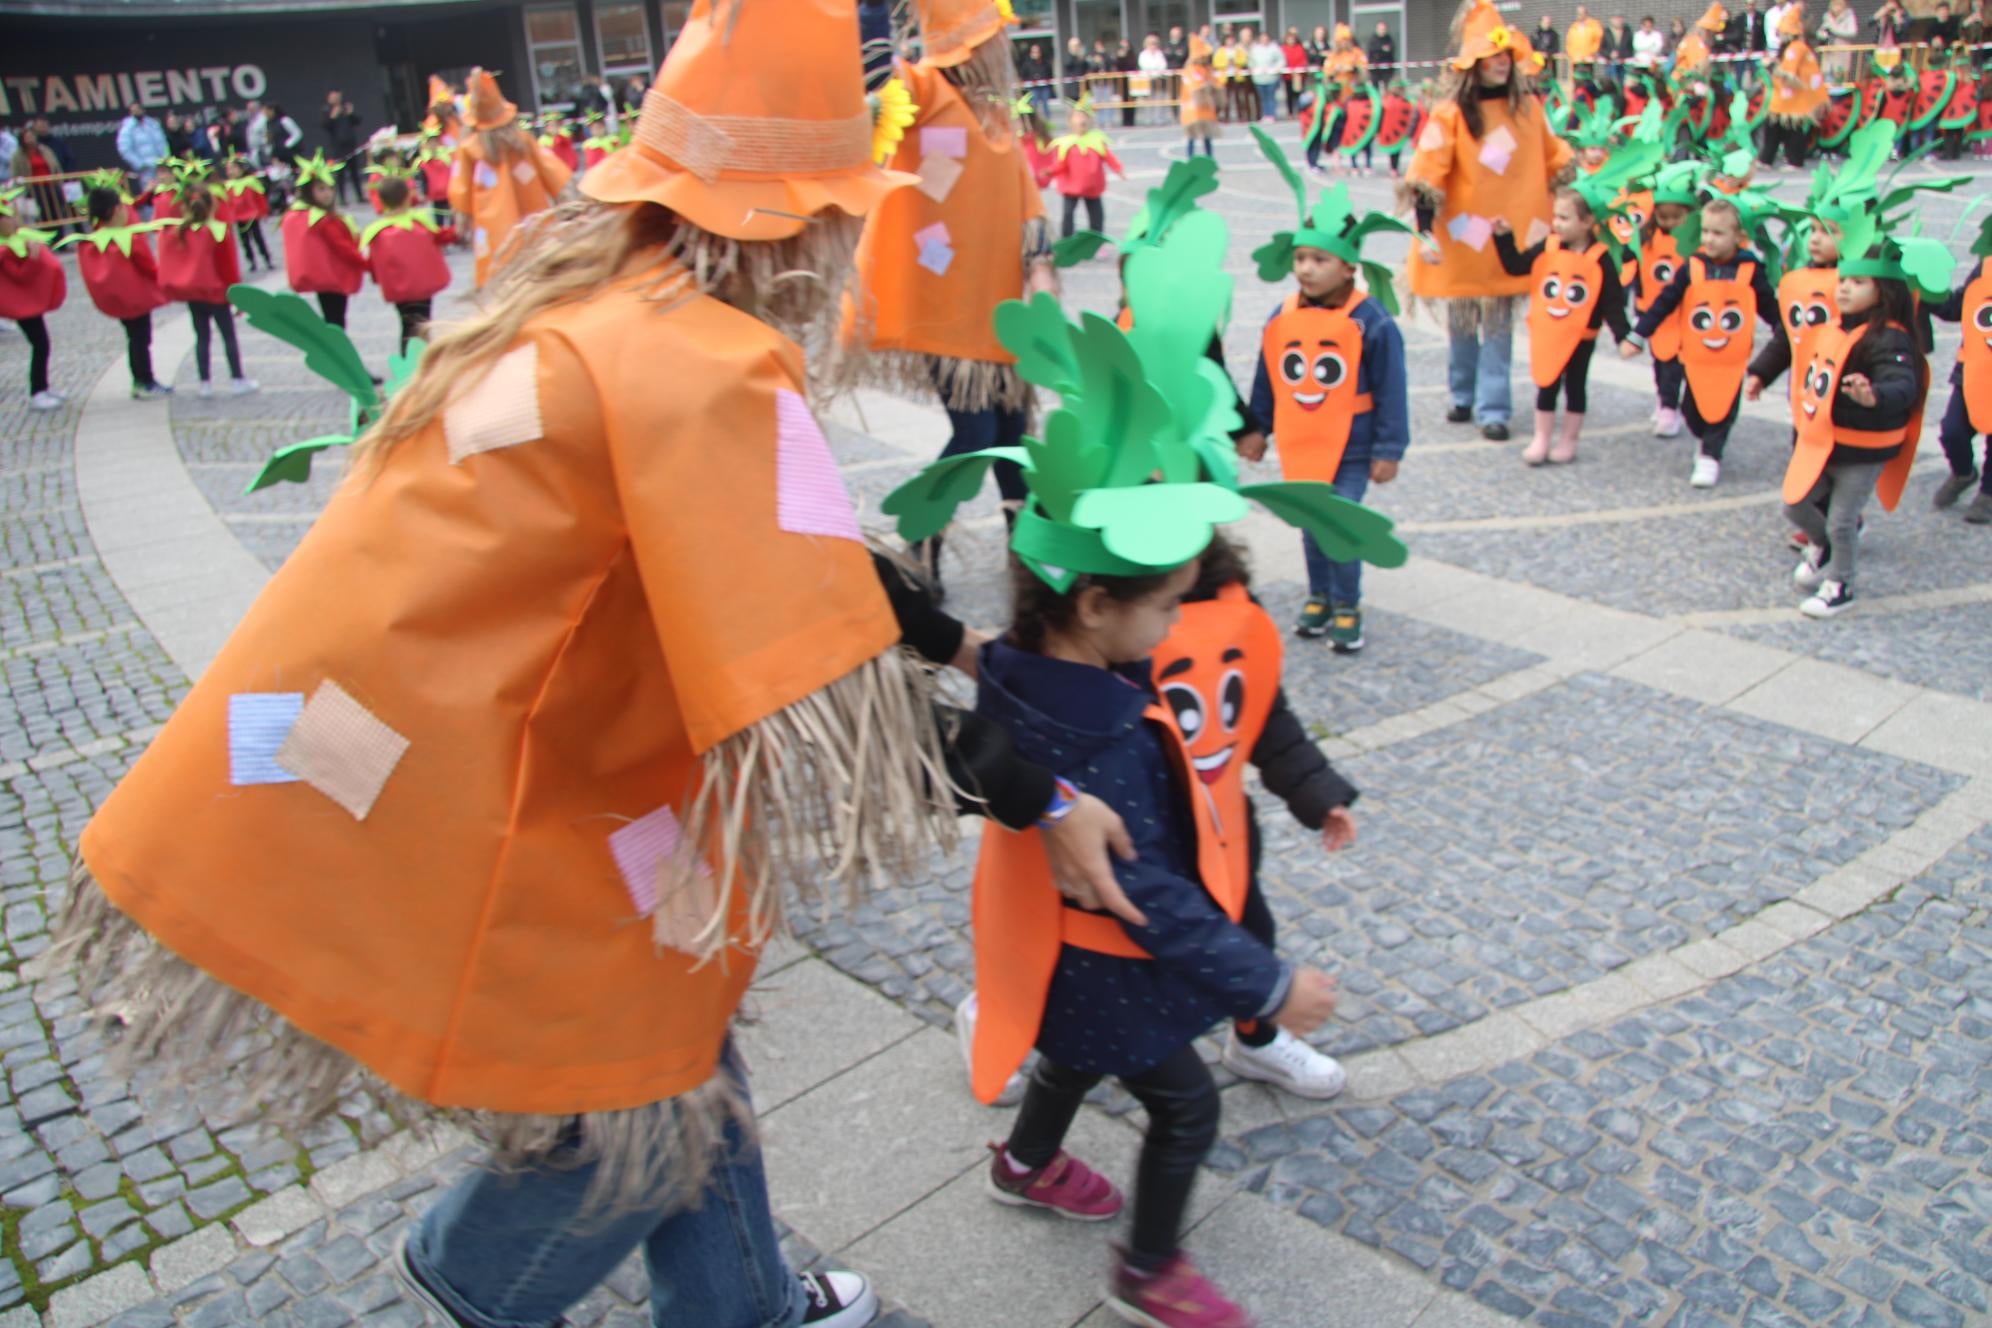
(1503, 173)
(497, 198)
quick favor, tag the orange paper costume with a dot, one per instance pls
(1818, 435)
(475, 832)
(1975, 352)
(1659, 259)
(938, 258)
(1199, 95)
(1585, 38)
(501, 175)
(1809, 304)
(1566, 286)
(1313, 356)
(1718, 319)
(1798, 88)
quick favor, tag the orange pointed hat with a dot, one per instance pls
(488, 107)
(1715, 20)
(1485, 33)
(1199, 48)
(950, 30)
(756, 122)
(1792, 24)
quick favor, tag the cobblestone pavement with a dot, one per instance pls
(1792, 1129)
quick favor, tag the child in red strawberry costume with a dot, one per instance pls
(1077, 162)
(404, 252)
(32, 284)
(247, 205)
(122, 277)
(321, 244)
(197, 264)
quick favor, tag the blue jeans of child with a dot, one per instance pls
(1478, 365)
(1956, 435)
(979, 430)
(514, 1250)
(1341, 584)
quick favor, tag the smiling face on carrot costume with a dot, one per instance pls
(1567, 282)
(1219, 670)
(1310, 374)
(1716, 327)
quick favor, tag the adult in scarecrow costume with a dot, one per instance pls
(502, 175)
(502, 837)
(938, 258)
(1486, 150)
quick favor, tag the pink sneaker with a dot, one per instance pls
(1177, 1297)
(1065, 1185)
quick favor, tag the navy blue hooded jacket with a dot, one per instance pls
(1105, 1014)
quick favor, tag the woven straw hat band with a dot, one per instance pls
(711, 145)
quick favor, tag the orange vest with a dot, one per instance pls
(1505, 172)
(1312, 358)
(498, 199)
(1718, 321)
(1567, 286)
(939, 256)
(1020, 920)
(610, 578)
(1809, 305)
(1975, 354)
(1812, 417)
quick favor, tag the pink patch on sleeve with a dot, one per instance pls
(640, 850)
(810, 497)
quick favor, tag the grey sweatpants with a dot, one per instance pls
(1842, 490)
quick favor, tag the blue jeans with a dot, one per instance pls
(1341, 584)
(515, 1249)
(992, 426)
(1477, 369)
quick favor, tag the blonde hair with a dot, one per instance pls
(988, 83)
(574, 249)
(503, 143)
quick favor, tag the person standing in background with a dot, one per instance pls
(1075, 69)
(342, 130)
(179, 135)
(1268, 65)
(1294, 52)
(1773, 25)
(1154, 65)
(1839, 27)
(1544, 38)
(1382, 53)
(141, 142)
(1586, 38)
(1127, 64)
(1618, 49)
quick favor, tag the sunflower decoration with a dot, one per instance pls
(893, 113)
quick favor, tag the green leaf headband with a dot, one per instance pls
(1594, 128)
(1131, 477)
(316, 170)
(1169, 202)
(1605, 191)
(109, 178)
(1678, 182)
(1332, 226)
(1922, 262)
(104, 237)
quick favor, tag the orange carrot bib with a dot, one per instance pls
(1976, 353)
(1565, 291)
(1717, 320)
(1312, 357)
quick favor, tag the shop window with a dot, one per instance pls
(623, 33)
(553, 44)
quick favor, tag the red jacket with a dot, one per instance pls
(1083, 172)
(123, 287)
(407, 262)
(322, 256)
(33, 285)
(196, 267)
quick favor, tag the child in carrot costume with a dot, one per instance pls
(32, 286)
(1078, 162)
(1331, 378)
(1122, 501)
(1859, 407)
(122, 277)
(197, 264)
(1969, 411)
(321, 243)
(404, 252)
(1721, 291)
(1675, 195)
(493, 798)
(1573, 291)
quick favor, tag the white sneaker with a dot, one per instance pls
(1287, 1062)
(206, 390)
(1707, 471)
(1667, 424)
(44, 401)
(241, 387)
(837, 1300)
(1832, 597)
(1013, 1092)
(1811, 569)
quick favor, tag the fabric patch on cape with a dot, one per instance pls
(938, 176)
(484, 176)
(258, 723)
(1432, 137)
(944, 141)
(524, 172)
(641, 850)
(1470, 230)
(936, 248)
(502, 410)
(1498, 151)
(810, 498)
(339, 748)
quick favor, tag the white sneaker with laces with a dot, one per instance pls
(837, 1300)
(1811, 569)
(1707, 471)
(964, 1021)
(241, 387)
(44, 401)
(1831, 598)
(1287, 1062)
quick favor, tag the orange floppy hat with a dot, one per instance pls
(1792, 24)
(950, 30)
(488, 107)
(1485, 34)
(757, 121)
(1715, 20)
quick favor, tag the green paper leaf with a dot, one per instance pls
(1064, 464)
(328, 351)
(291, 463)
(1077, 248)
(1275, 154)
(927, 502)
(1158, 525)
(1040, 336)
(1929, 264)
(1346, 531)
(1180, 297)
(1275, 257)
(401, 366)
(1173, 199)
(1117, 406)
(1382, 286)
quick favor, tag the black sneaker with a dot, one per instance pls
(837, 1300)
(1980, 511)
(1496, 432)
(1832, 597)
(1460, 415)
(1953, 488)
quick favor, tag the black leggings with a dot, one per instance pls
(1669, 378)
(1183, 1109)
(222, 319)
(1714, 434)
(1096, 213)
(253, 243)
(138, 349)
(1795, 139)
(1573, 382)
(414, 320)
(36, 331)
(332, 306)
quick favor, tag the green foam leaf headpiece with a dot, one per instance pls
(1605, 190)
(1593, 128)
(1332, 225)
(315, 169)
(1924, 263)
(1169, 202)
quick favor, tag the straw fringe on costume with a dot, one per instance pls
(843, 788)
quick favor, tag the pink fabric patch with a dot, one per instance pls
(640, 850)
(810, 498)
